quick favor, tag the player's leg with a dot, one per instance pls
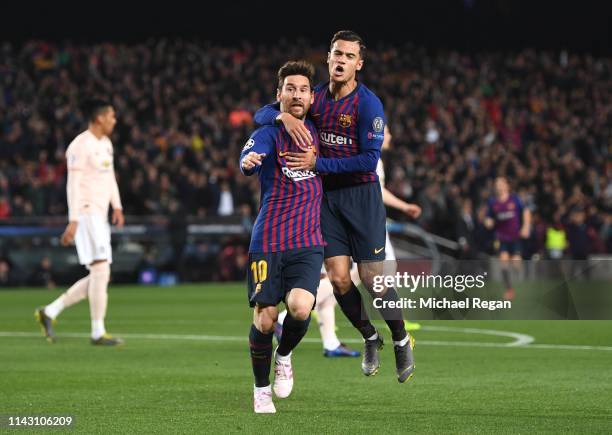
(348, 296)
(278, 326)
(504, 261)
(390, 270)
(337, 264)
(265, 292)
(366, 217)
(516, 263)
(99, 277)
(45, 315)
(403, 342)
(98, 302)
(85, 242)
(326, 317)
(300, 277)
(299, 305)
(260, 345)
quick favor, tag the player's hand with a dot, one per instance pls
(489, 223)
(118, 218)
(301, 161)
(297, 130)
(251, 160)
(412, 210)
(524, 232)
(69, 233)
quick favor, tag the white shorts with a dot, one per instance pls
(389, 251)
(92, 239)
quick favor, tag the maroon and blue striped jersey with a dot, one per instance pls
(508, 216)
(350, 131)
(290, 205)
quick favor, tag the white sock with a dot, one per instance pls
(328, 329)
(98, 297)
(374, 337)
(281, 317)
(97, 329)
(403, 342)
(325, 309)
(281, 358)
(262, 389)
(54, 308)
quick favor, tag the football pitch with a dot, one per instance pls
(185, 368)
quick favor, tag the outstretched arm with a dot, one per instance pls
(389, 199)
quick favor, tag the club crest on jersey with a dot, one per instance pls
(378, 124)
(345, 120)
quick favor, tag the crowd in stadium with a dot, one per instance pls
(185, 109)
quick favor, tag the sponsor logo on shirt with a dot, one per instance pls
(334, 139)
(298, 175)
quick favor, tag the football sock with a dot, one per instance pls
(76, 293)
(98, 297)
(260, 345)
(506, 277)
(393, 316)
(97, 329)
(351, 305)
(293, 332)
(325, 308)
(281, 317)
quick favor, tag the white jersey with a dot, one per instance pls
(91, 188)
(92, 160)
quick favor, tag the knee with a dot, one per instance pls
(341, 282)
(100, 269)
(301, 312)
(264, 323)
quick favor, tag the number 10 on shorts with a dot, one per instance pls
(260, 273)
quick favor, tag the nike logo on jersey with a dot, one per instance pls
(377, 251)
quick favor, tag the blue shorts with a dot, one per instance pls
(512, 247)
(353, 222)
(272, 275)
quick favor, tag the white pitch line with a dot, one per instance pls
(519, 339)
(522, 341)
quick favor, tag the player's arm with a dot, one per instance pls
(118, 218)
(270, 114)
(390, 200)
(260, 144)
(489, 221)
(371, 125)
(526, 227)
(75, 161)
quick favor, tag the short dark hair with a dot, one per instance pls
(94, 107)
(296, 67)
(349, 35)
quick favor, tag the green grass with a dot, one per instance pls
(200, 386)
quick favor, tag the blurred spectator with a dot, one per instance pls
(43, 275)
(6, 275)
(226, 200)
